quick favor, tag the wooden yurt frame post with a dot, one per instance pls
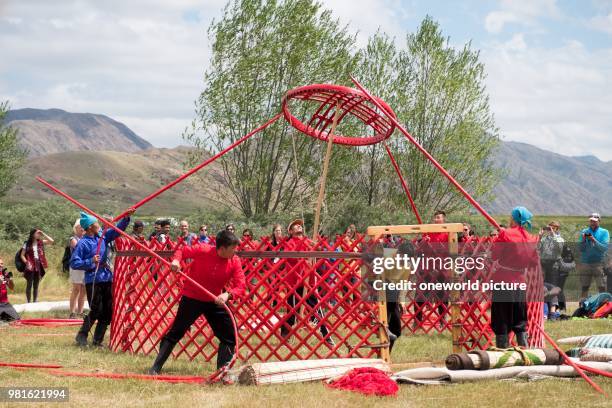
(453, 229)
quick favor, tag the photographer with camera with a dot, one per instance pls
(593, 248)
(7, 311)
(550, 246)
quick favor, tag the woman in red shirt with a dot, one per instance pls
(218, 270)
(513, 252)
(33, 256)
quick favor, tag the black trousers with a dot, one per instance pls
(394, 319)
(550, 274)
(32, 279)
(8, 312)
(509, 312)
(100, 299)
(561, 284)
(217, 317)
(312, 301)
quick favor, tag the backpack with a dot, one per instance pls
(19, 264)
(66, 259)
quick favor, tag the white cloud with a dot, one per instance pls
(557, 99)
(520, 12)
(139, 60)
(516, 43)
(367, 16)
(602, 23)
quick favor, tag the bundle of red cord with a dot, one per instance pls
(366, 380)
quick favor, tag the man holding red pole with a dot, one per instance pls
(219, 271)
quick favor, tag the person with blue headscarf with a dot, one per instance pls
(98, 275)
(513, 251)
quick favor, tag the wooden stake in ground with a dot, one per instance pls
(330, 142)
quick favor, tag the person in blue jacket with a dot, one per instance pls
(593, 248)
(98, 276)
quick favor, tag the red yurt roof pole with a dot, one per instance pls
(429, 156)
(154, 255)
(199, 166)
(404, 185)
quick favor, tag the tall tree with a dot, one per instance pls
(12, 156)
(443, 102)
(377, 72)
(261, 49)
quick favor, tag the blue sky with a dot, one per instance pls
(548, 62)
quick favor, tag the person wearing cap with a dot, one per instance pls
(593, 245)
(138, 231)
(293, 279)
(513, 252)
(98, 275)
(219, 270)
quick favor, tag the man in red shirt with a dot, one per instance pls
(298, 242)
(433, 245)
(513, 251)
(218, 270)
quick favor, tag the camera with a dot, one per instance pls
(6, 274)
(587, 234)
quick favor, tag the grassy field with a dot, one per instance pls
(56, 345)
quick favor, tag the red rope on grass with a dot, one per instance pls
(54, 370)
(368, 381)
(572, 364)
(27, 365)
(216, 376)
(47, 322)
(131, 376)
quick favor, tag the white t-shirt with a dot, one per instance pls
(35, 250)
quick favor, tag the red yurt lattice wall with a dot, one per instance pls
(146, 296)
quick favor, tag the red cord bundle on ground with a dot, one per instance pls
(368, 381)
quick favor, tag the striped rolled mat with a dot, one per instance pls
(596, 341)
(488, 359)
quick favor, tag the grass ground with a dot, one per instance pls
(56, 345)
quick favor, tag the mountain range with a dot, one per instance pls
(97, 158)
(46, 131)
